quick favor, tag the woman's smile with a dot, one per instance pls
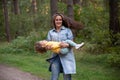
(58, 21)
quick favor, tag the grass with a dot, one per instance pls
(89, 67)
(29, 63)
(94, 67)
(91, 71)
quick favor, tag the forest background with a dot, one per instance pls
(23, 22)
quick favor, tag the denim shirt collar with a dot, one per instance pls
(62, 28)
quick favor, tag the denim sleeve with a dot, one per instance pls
(69, 34)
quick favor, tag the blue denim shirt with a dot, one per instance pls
(67, 60)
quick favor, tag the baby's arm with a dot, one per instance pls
(64, 45)
(71, 43)
(64, 48)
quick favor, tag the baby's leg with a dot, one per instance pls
(71, 43)
(64, 50)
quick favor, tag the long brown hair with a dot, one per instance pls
(68, 22)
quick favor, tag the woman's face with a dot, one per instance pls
(58, 21)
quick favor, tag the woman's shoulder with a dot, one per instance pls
(68, 29)
(64, 27)
(51, 30)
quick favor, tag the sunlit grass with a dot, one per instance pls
(89, 67)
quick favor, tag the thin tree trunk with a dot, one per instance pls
(85, 2)
(53, 6)
(70, 9)
(114, 24)
(34, 11)
(16, 8)
(42, 1)
(7, 28)
(76, 1)
(70, 13)
(34, 6)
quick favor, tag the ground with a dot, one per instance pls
(12, 73)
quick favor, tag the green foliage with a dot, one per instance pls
(62, 8)
(22, 24)
(114, 60)
(96, 31)
(114, 56)
(114, 51)
(115, 38)
(22, 44)
(27, 28)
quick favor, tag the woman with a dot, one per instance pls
(61, 63)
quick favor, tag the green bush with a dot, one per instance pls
(114, 56)
(96, 30)
(114, 60)
(22, 44)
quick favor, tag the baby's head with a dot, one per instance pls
(40, 47)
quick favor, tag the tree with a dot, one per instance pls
(70, 9)
(76, 1)
(53, 6)
(34, 11)
(7, 28)
(1, 22)
(34, 6)
(114, 23)
(16, 8)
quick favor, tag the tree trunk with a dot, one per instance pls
(70, 9)
(7, 28)
(16, 8)
(53, 6)
(1, 22)
(42, 1)
(114, 24)
(34, 11)
(34, 6)
(65, 1)
(70, 13)
(85, 2)
(76, 1)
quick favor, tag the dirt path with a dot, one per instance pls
(11, 73)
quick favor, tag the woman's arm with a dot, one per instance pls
(64, 45)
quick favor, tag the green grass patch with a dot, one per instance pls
(89, 67)
(34, 64)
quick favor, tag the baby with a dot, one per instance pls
(40, 46)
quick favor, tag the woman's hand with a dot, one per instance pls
(63, 44)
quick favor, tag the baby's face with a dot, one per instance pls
(43, 43)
